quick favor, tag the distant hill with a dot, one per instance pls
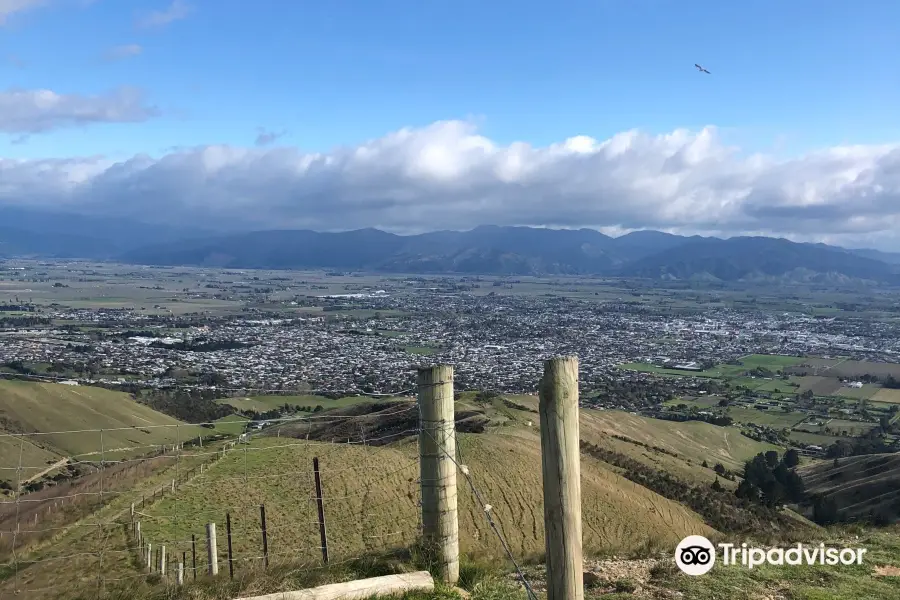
(29, 231)
(528, 251)
(488, 250)
(759, 259)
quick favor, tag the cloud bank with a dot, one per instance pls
(448, 176)
(39, 111)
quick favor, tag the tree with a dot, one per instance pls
(716, 486)
(791, 458)
(825, 511)
(719, 469)
(772, 458)
(705, 465)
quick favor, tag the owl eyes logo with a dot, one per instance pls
(695, 555)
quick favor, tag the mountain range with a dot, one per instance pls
(483, 250)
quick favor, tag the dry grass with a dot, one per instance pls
(130, 428)
(887, 395)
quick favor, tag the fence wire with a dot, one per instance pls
(137, 511)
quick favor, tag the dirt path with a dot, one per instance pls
(60, 463)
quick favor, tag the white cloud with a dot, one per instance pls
(11, 7)
(176, 11)
(122, 52)
(37, 111)
(449, 176)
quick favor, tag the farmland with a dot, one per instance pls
(274, 402)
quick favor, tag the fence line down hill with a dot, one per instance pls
(291, 493)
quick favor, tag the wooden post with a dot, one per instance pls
(561, 468)
(386, 586)
(180, 576)
(212, 552)
(265, 535)
(194, 554)
(162, 561)
(149, 557)
(320, 505)
(437, 464)
(230, 555)
(137, 534)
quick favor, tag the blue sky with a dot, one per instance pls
(399, 114)
(786, 76)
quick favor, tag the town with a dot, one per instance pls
(334, 334)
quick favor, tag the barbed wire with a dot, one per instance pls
(174, 504)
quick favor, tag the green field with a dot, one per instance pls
(851, 427)
(776, 418)
(231, 425)
(267, 403)
(87, 422)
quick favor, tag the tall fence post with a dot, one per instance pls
(561, 469)
(437, 469)
(180, 576)
(149, 557)
(320, 506)
(194, 555)
(162, 561)
(230, 555)
(265, 535)
(212, 552)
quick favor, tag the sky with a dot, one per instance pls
(411, 116)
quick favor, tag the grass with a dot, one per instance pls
(803, 582)
(231, 425)
(371, 498)
(16, 450)
(692, 441)
(774, 417)
(267, 403)
(887, 396)
(68, 420)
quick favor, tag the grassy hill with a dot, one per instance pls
(371, 494)
(863, 487)
(371, 500)
(66, 420)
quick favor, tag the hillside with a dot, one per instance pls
(863, 487)
(528, 251)
(759, 259)
(369, 472)
(67, 420)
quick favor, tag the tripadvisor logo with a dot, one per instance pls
(696, 555)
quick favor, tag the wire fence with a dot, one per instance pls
(166, 503)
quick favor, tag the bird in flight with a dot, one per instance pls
(701, 69)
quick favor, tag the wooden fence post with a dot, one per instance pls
(194, 555)
(437, 466)
(320, 506)
(162, 561)
(149, 557)
(265, 535)
(180, 576)
(561, 469)
(230, 555)
(211, 550)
